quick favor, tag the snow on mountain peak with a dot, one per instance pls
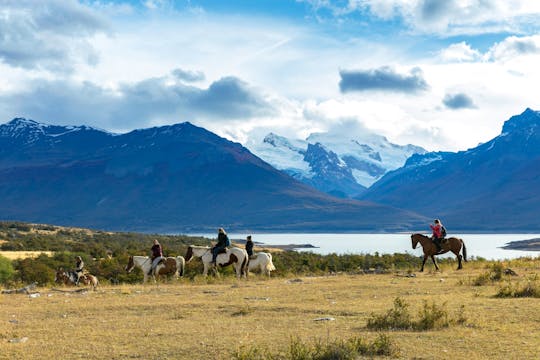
(365, 155)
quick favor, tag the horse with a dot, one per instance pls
(170, 266)
(452, 244)
(262, 261)
(70, 278)
(233, 256)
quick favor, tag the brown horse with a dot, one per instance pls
(68, 278)
(452, 244)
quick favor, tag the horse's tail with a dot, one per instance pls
(181, 265)
(245, 265)
(464, 250)
(270, 266)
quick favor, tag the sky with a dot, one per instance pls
(444, 75)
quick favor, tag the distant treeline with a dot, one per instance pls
(106, 254)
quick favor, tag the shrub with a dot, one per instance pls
(397, 318)
(495, 273)
(530, 289)
(431, 316)
(324, 350)
(6, 270)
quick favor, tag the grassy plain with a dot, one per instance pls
(214, 318)
(14, 255)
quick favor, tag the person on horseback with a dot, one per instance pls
(439, 233)
(79, 267)
(222, 244)
(249, 246)
(157, 255)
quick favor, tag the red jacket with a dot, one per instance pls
(436, 230)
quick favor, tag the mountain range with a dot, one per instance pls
(178, 178)
(341, 163)
(492, 187)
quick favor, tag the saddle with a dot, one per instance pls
(253, 257)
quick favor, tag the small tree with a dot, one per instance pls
(6, 269)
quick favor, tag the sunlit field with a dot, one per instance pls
(224, 318)
(13, 255)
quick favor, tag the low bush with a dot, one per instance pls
(6, 270)
(431, 316)
(530, 289)
(323, 350)
(495, 273)
(397, 318)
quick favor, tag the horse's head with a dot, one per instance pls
(60, 276)
(189, 254)
(414, 240)
(130, 265)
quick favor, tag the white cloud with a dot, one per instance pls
(50, 35)
(459, 52)
(513, 47)
(453, 17)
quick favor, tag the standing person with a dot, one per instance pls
(157, 255)
(249, 246)
(79, 267)
(437, 236)
(223, 243)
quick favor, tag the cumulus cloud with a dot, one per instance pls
(458, 101)
(460, 52)
(382, 79)
(145, 103)
(188, 75)
(448, 17)
(514, 46)
(49, 34)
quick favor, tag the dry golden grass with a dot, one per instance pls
(209, 319)
(14, 255)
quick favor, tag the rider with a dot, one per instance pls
(437, 236)
(157, 255)
(249, 246)
(79, 267)
(223, 243)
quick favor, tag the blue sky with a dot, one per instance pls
(440, 74)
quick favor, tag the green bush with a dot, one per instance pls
(349, 349)
(495, 273)
(530, 289)
(6, 270)
(397, 318)
(431, 316)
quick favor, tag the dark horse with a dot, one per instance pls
(430, 249)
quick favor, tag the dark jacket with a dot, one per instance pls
(223, 240)
(156, 251)
(249, 247)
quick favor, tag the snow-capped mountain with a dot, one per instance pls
(492, 187)
(342, 165)
(177, 178)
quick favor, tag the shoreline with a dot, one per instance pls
(525, 245)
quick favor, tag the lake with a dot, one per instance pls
(478, 245)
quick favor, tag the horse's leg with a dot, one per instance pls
(458, 259)
(205, 269)
(434, 262)
(423, 263)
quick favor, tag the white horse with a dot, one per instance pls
(170, 266)
(233, 256)
(263, 262)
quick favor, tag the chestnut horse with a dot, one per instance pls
(452, 244)
(69, 278)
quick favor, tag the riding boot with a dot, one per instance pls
(150, 272)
